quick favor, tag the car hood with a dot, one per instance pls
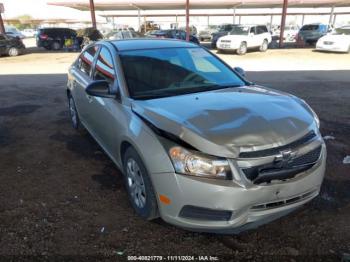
(227, 121)
(336, 38)
(233, 37)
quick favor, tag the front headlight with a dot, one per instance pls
(197, 164)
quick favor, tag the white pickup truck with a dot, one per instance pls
(243, 37)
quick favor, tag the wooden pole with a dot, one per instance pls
(187, 20)
(283, 21)
(92, 11)
(2, 27)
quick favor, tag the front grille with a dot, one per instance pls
(282, 171)
(201, 213)
(328, 43)
(308, 158)
(276, 150)
(284, 202)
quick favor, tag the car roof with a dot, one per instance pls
(149, 43)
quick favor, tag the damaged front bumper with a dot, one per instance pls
(225, 206)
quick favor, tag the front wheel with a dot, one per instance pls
(264, 46)
(242, 50)
(139, 186)
(13, 51)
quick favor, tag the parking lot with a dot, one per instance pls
(61, 194)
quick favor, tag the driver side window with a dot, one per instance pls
(252, 30)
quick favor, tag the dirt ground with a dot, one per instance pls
(61, 196)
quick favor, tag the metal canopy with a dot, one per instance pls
(113, 5)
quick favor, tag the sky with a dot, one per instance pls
(40, 10)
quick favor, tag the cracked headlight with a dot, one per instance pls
(197, 164)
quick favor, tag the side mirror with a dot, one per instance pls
(240, 71)
(100, 88)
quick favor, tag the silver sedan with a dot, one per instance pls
(198, 144)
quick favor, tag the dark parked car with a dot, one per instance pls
(222, 30)
(312, 32)
(175, 34)
(12, 46)
(53, 38)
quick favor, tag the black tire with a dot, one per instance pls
(349, 50)
(149, 209)
(56, 46)
(73, 113)
(264, 46)
(242, 49)
(13, 51)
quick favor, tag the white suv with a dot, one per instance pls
(243, 37)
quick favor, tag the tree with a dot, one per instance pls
(24, 22)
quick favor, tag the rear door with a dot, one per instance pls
(82, 77)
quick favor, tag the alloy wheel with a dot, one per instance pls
(136, 183)
(13, 51)
(73, 112)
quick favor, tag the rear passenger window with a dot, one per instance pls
(86, 59)
(104, 66)
(261, 30)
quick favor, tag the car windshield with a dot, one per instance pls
(166, 72)
(341, 31)
(240, 30)
(309, 27)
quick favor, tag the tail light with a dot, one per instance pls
(44, 36)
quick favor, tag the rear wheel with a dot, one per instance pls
(349, 49)
(264, 46)
(55, 46)
(13, 51)
(242, 49)
(73, 113)
(139, 186)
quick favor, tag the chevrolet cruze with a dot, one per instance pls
(198, 145)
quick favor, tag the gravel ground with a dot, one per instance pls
(60, 195)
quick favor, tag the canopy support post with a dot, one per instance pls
(283, 21)
(92, 11)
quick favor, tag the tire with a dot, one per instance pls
(349, 50)
(55, 46)
(264, 46)
(73, 113)
(242, 49)
(13, 51)
(139, 186)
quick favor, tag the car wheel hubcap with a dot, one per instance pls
(264, 47)
(243, 49)
(73, 113)
(135, 183)
(13, 52)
